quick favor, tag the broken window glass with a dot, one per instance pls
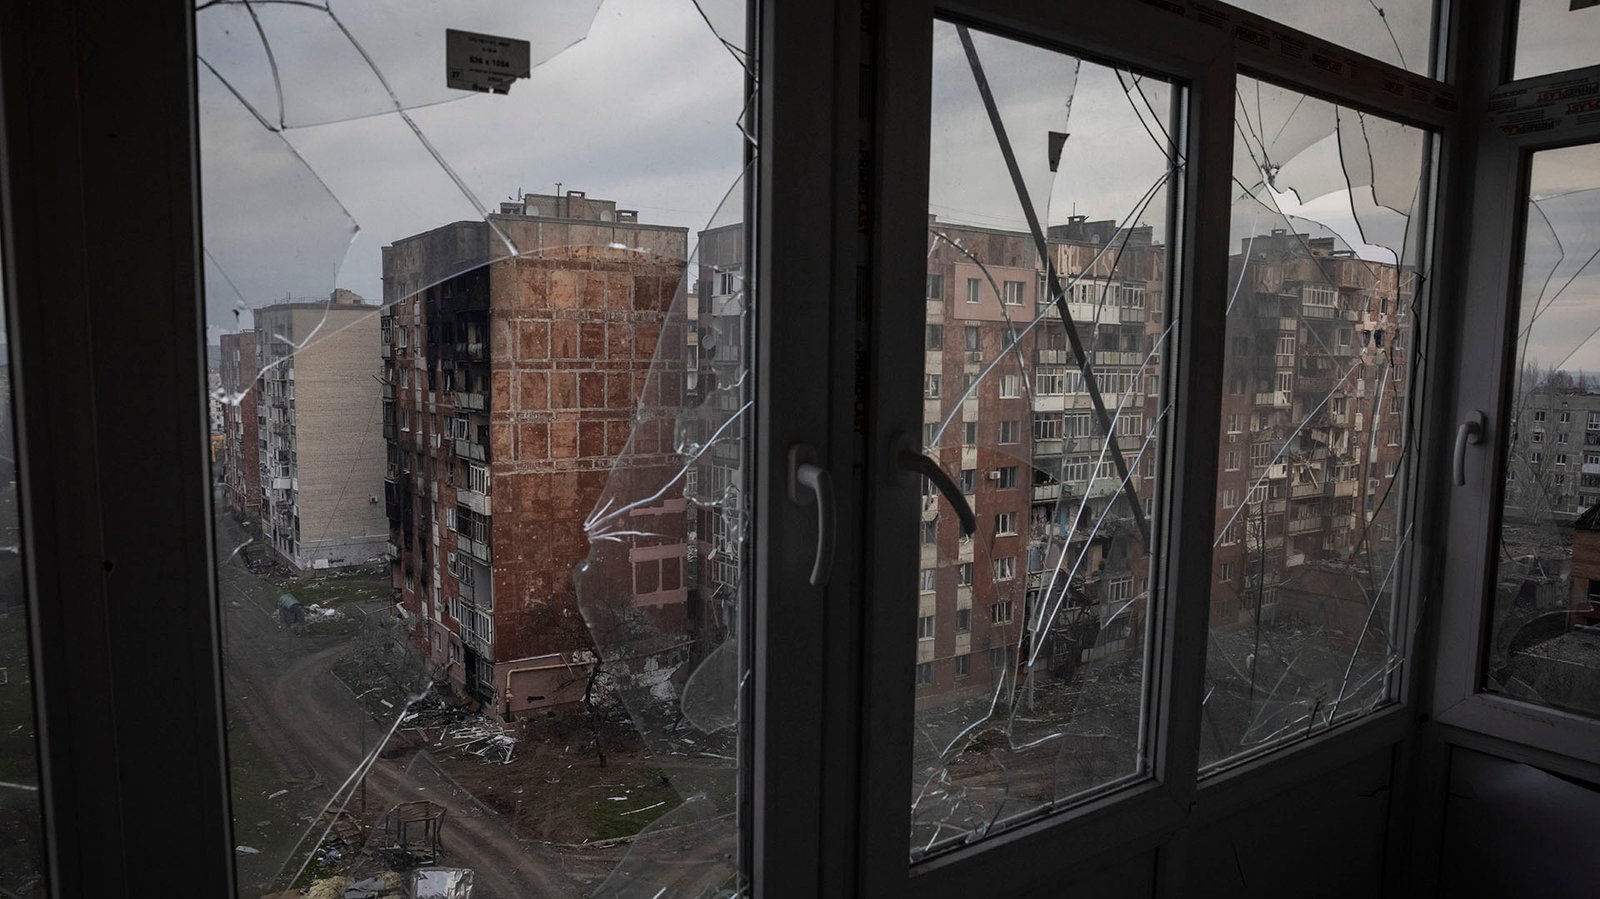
(1398, 32)
(1311, 531)
(481, 394)
(21, 826)
(1033, 630)
(1544, 636)
(1555, 36)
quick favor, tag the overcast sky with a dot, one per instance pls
(641, 110)
(637, 101)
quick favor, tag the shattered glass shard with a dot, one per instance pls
(1322, 342)
(1047, 334)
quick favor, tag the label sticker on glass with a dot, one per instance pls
(483, 62)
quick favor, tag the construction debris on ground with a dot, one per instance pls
(446, 727)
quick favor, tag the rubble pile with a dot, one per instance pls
(464, 733)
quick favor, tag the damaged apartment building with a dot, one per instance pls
(510, 386)
(1055, 576)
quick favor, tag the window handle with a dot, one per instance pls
(805, 472)
(1469, 431)
(921, 464)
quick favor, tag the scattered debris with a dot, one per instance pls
(414, 828)
(464, 732)
(441, 883)
(242, 849)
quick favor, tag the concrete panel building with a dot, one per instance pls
(320, 415)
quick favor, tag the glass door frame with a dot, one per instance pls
(1152, 816)
(1468, 715)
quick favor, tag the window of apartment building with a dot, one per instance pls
(1225, 572)
(925, 674)
(969, 480)
(930, 531)
(1046, 426)
(964, 574)
(1007, 477)
(930, 434)
(1012, 291)
(1561, 458)
(936, 337)
(1077, 424)
(963, 620)
(1538, 436)
(974, 290)
(963, 665)
(1005, 523)
(1538, 415)
(1561, 437)
(1005, 568)
(927, 580)
(969, 433)
(1318, 295)
(1235, 423)
(1075, 470)
(478, 478)
(1231, 460)
(1000, 658)
(1010, 431)
(1010, 386)
(932, 386)
(1000, 613)
(925, 627)
(970, 336)
(1260, 455)
(935, 287)
(1564, 417)
(1049, 381)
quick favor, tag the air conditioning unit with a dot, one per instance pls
(994, 475)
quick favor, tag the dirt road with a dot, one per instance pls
(312, 732)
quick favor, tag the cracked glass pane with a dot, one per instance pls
(1046, 327)
(22, 863)
(1544, 643)
(1398, 32)
(1555, 36)
(480, 403)
(1320, 358)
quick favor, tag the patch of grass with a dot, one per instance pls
(613, 817)
(347, 591)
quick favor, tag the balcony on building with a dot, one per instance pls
(471, 449)
(472, 499)
(471, 401)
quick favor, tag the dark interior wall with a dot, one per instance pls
(1325, 837)
(1514, 830)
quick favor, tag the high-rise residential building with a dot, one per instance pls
(1558, 475)
(1313, 409)
(510, 385)
(239, 464)
(1008, 413)
(319, 413)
